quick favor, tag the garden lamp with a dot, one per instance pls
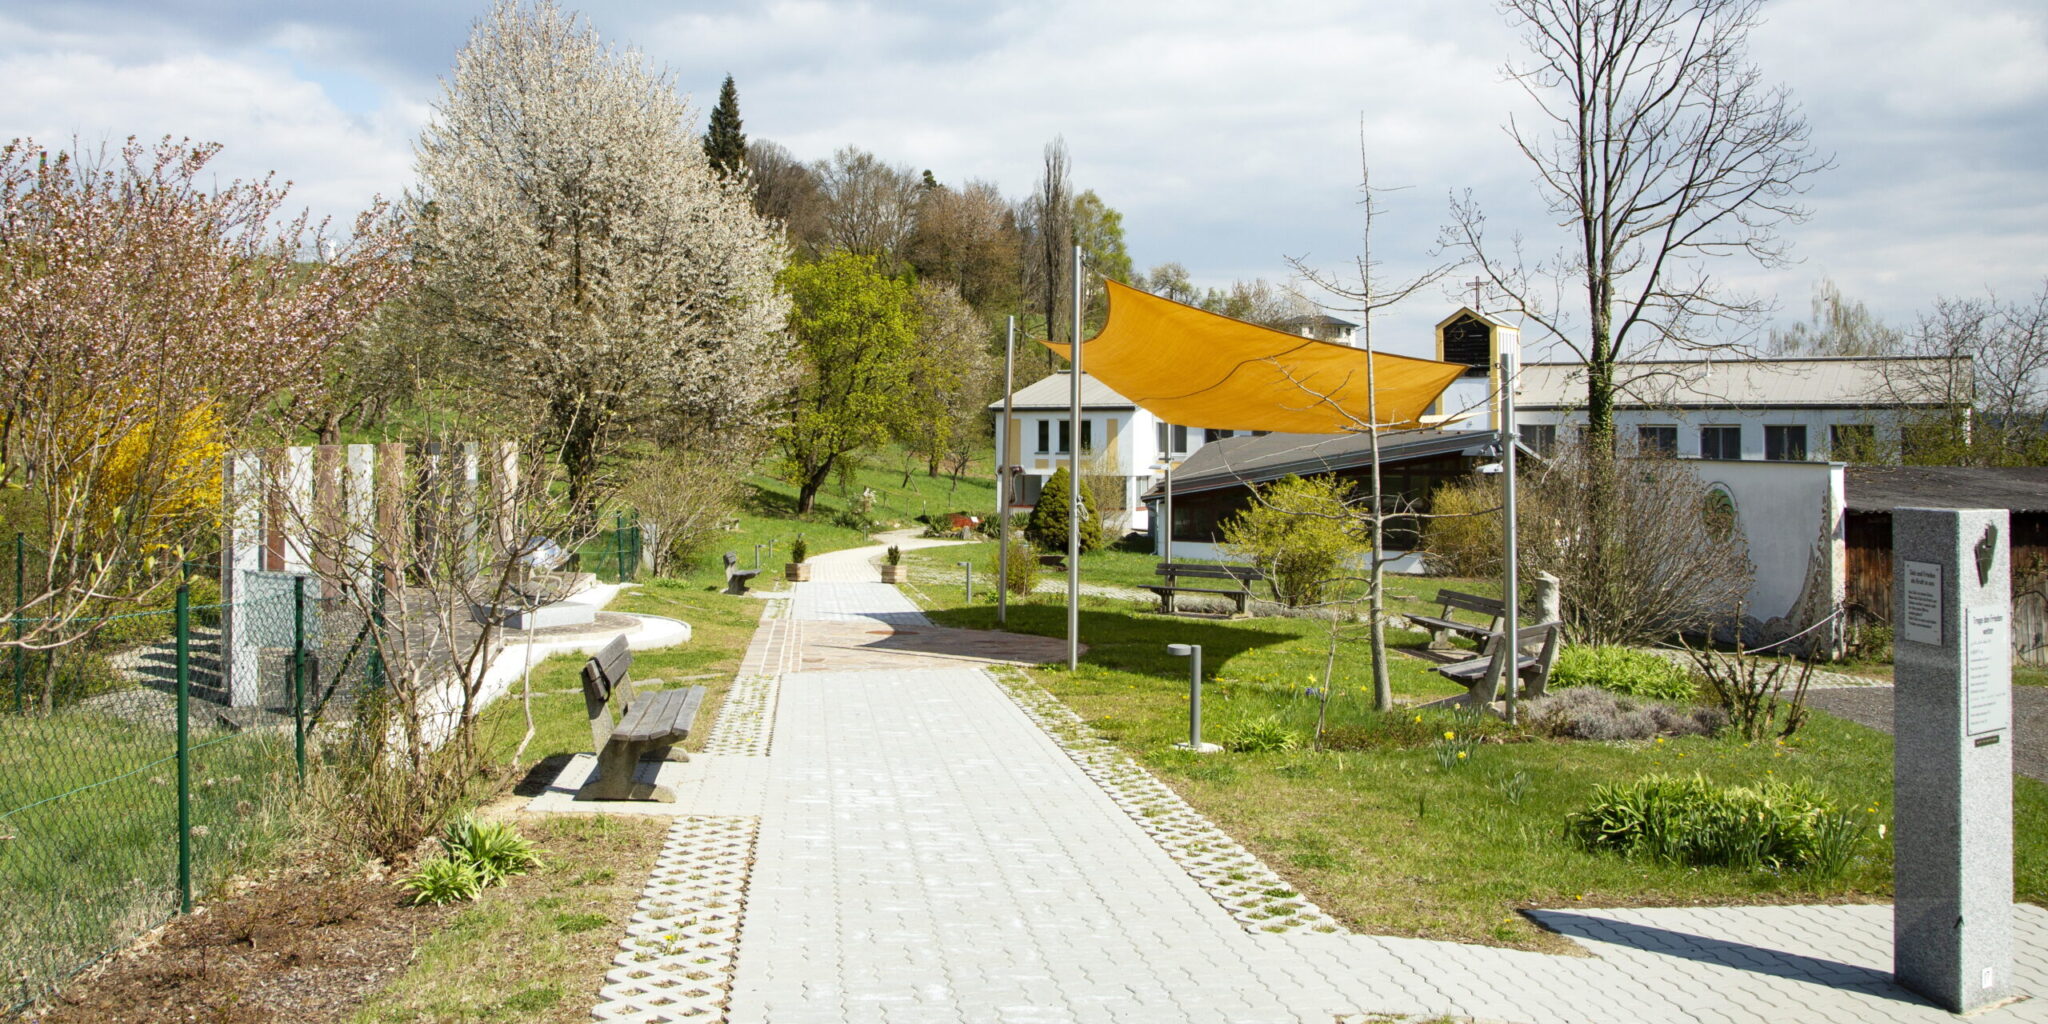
(969, 566)
(1193, 652)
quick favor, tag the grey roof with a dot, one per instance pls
(1233, 461)
(1749, 383)
(1318, 320)
(1884, 488)
(1054, 393)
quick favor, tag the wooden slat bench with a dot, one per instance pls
(1442, 626)
(1242, 575)
(651, 725)
(735, 577)
(1057, 563)
(1482, 676)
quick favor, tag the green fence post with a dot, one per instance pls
(619, 543)
(377, 633)
(20, 595)
(299, 674)
(184, 625)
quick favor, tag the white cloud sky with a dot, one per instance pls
(1227, 133)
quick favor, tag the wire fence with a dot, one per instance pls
(145, 763)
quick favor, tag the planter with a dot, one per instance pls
(895, 574)
(796, 572)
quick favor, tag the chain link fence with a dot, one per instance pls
(141, 765)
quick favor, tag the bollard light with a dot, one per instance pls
(969, 566)
(1193, 652)
(757, 555)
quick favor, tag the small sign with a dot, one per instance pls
(1987, 672)
(1921, 617)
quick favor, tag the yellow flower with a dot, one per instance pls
(1660, 739)
(1461, 755)
(1418, 718)
(1450, 735)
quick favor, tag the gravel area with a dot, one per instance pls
(1872, 706)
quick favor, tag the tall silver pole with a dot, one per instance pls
(1075, 509)
(1003, 443)
(1167, 556)
(1511, 597)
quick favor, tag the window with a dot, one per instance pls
(1045, 435)
(1785, 443)
(1215, 435)
(1066, 436)
(1087, 435)
(1540, 437)
(1657, 440)
(1852, 442)
(1180, 440)
(1720, 442)
(1717, 513)
(1172, 440)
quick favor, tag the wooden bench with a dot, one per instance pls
(735, 577)
(1482, 676)
(1057, 563)
(1242, 575)
(1442, 626)
(649, 725)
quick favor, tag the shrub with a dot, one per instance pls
(444, 880)
(1263, 734)
(895, 555)
(1751, 690)
(1024, 567)
(1591, 713)
(1623, 670)
(1689, 821)
(798, 550)
(1047, 525)
(1300, 534)
(495, 849)
(683, 498)
(1462, 535)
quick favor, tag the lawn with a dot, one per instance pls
(721, 625)
(1393, 838)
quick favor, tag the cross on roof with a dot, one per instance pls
(1478, 291)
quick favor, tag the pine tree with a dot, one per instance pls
(725, 145)
(1048, 525)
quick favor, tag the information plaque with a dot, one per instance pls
(1920, 616)
(1987, 681)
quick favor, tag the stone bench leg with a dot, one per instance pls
(614, 780)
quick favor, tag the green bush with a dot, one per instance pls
(1623, 670)
(1301, 535)
(1263, 734)
(444, 880)
(494, 848)
(1773, 826)
(1024, 567)
(1047, 525)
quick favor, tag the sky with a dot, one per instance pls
(1228, 134)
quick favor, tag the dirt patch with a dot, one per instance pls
(305, 948)
(1872, 706)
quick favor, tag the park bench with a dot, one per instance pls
(735, 577)
(649, 725)
(1482, 676)
(1442, 626)
(1242, 575)
(1057, 563)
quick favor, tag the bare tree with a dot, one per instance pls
(787, 192)
(1840, 327)
(1051, 216)
(1981, 382)
(870, 206)
(1663, 148)
(1366, 299)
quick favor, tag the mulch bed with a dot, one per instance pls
(305, 948)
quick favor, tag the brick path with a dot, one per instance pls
(926, 852)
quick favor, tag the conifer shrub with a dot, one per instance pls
(1047, 526)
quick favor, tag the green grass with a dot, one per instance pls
(721, 626)
(88, 829)
(535, 949)
(1393, 840)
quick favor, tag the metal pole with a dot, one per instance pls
(1075, 508)
(1510, 583)
(1168, 463)
(969, 566)
(299, 674)
(184, 648)
(757, 556)
(1195, 699)
(20, 665)
(1003, 479)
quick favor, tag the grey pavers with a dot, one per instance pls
(926, 852)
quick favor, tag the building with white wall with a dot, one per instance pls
(1118, 440)
(1781, 410)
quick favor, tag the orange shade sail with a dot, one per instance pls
(1198, 369)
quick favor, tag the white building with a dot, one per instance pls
(1837, 408)
(1118, 440)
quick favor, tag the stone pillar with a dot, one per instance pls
(241, 557)
(1547, 597)
(1952, 759)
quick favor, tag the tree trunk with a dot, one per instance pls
(330, 427)
(807, 491)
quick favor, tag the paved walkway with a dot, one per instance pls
(924, 850)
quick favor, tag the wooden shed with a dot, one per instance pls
(1874, 491)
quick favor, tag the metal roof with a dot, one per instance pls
(1843, 381)
(1884, 488)
(1234, 461)
(1054, 392)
